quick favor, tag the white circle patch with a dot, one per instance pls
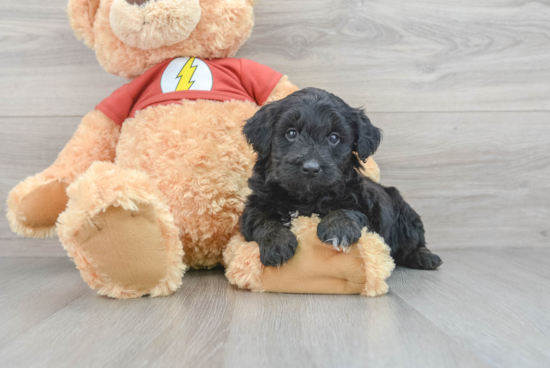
(186, 74)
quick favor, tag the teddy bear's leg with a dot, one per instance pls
(283, 88)
(35, 203)
(121, 234)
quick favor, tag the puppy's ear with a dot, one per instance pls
(258, 130)
(367, 136)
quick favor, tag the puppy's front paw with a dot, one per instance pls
(341, 228)
(278, 248)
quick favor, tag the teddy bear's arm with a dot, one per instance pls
(282, 89)
(35, 203)
(316, 268)
(371, 170)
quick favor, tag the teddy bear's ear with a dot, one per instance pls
(81, 15)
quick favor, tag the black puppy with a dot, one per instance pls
(309, 148)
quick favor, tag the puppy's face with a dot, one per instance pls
(311, 145)
(308, 138)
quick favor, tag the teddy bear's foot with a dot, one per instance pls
(35, 204)
(120, 235)
(126, 248)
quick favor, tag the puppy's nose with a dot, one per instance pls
(311, 167)
(137, 2)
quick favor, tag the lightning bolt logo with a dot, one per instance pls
(185, 75)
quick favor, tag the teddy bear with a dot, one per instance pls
(153, 181)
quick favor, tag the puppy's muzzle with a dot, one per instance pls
(311, 168)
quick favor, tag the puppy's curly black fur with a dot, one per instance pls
(310, 146)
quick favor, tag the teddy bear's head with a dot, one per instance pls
(130, 36)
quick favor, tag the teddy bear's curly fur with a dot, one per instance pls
(317, 269)
(136, 205)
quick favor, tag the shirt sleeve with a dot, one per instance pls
(117, 106)
(258, 80)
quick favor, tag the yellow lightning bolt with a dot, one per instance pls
(185, 75)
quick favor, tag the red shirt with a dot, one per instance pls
(191, 78)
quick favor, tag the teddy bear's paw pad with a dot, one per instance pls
(41, 207)
(126, 249)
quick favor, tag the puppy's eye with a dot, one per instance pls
(291, 134)
(334, 138)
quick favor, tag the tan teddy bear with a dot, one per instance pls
(153, 180)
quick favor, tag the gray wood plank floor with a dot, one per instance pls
(483, 308)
